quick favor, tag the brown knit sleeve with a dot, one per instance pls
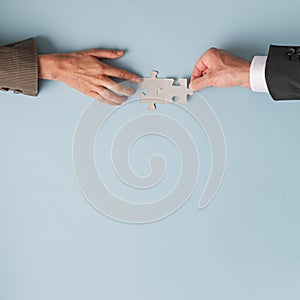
(19, 67)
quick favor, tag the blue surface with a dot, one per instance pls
(244, 245)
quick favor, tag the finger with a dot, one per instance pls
(98, 97)
(199, 68)
(92, 94)
(117, 88)
(196, 73)
(103, 100)
(201, 82)
(108, 95)
(121, 74)
(100, 53)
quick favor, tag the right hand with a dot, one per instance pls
(85, 72)
(218, 68)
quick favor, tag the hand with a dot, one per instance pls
(220, 69)
(85, 72)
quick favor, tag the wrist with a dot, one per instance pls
(245, 75)
(47, 66)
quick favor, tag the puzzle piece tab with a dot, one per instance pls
(163, 90)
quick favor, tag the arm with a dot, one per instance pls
(278, 73)
(283, 72)
(21, 67)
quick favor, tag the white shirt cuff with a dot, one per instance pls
(257, 74)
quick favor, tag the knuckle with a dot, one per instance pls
(101, 90)
(101, 80)
(91, 51)
(213, 50)
(121, 73)
(212, 81)
(81, 53)
(76, 53)
(111, 52)
(110, 84)
(101, 68)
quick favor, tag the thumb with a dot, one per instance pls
(110, 54)
(201, 82)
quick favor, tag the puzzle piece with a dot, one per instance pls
(163, 90)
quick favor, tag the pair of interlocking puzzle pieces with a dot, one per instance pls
(163, 90)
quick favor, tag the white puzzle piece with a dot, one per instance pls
(163, 90)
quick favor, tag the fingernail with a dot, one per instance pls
(120, 52)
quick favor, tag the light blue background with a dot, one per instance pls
(245, 245)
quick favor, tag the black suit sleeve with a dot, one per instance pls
(283, 72)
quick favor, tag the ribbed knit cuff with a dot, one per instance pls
(19, 67)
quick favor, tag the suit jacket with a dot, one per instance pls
(19, 67)
(283, 72)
